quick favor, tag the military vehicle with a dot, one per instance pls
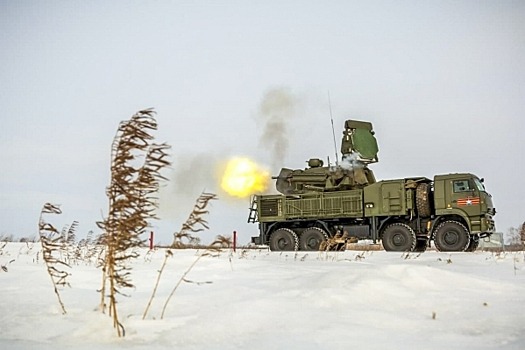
(323, 207)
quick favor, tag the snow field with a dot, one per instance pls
(259, 300)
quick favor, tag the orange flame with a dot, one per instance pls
(243, 177)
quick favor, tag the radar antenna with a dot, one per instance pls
(333, 132)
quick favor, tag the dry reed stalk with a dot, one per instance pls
(168, 254)
(195, 222)
(213, 250)
(52, 244)
(136, 164)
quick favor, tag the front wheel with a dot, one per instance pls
(451, 236)
(399, 237)
(283, 239)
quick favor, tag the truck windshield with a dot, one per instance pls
(479, 185)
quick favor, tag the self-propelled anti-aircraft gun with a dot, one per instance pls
(321, 203)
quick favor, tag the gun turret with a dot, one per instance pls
(358, 147)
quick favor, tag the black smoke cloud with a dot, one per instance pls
(276, 110)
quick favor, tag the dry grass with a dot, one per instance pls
(136, 163)
(333, 244)
(186, 238)
(213, 250)
(194, 224)
(52, 245)
(166, 256)
(3, 267)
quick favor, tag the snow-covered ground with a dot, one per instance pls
(260, 300)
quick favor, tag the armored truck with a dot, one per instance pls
(344, 202)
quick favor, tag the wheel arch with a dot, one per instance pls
(322, 225)
(458, 216)
(269, 228)
(387, 221)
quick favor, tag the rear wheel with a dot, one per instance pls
(399, 237)
(451, 236)
(312, 238)
(283, 239)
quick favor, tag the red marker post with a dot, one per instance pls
(234, 241)
(151, 240)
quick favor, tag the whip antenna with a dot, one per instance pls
(333, 132)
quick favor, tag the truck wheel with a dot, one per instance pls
(399, 237)
(423, 200)
(312, 238)
(283, 239)
(451, 236)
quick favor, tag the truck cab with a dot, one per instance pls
(464, 196)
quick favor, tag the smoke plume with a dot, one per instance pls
(276, 110)
(191, 175)
(351, 161)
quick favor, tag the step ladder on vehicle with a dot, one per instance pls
(252, 218)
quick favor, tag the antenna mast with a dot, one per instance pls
(333, 132)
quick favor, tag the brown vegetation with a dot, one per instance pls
(52, 244)
(136, 163)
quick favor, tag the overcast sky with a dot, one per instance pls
(443, 82)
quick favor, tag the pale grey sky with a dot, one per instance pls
(443, 82)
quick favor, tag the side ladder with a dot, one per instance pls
(253, 217)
